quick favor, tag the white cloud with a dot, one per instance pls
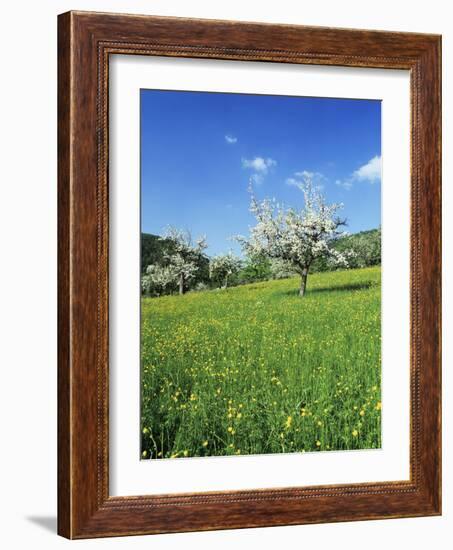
(259, 164)
(301, 177)
(257, 179)
(306, 174)
(371, 171)
(230, 139)
(346, 184)
(292, 181)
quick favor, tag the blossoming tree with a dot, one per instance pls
(157, 277)
(181, 264)
(296, 237)
(223, 266)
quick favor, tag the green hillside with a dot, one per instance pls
(366, 246)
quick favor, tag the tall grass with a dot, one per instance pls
(256, 369)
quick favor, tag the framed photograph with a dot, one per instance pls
(249, 275)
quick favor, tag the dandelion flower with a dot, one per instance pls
(355, 433)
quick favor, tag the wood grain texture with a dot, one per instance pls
(86, 40)
(64, 370)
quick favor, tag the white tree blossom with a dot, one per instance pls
(296, 236)
(157, 276)
(182, 261)
(281, 269)
(223, 266)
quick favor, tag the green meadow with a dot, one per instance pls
(256, 369)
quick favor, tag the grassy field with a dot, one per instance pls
(256, 369)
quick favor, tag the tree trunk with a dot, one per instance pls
(303, 281)
(226, 282)
(181, 283)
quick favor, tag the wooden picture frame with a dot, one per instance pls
(85, 42)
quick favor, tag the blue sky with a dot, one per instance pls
(199, 150)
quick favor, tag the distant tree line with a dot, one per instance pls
(228, 270)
